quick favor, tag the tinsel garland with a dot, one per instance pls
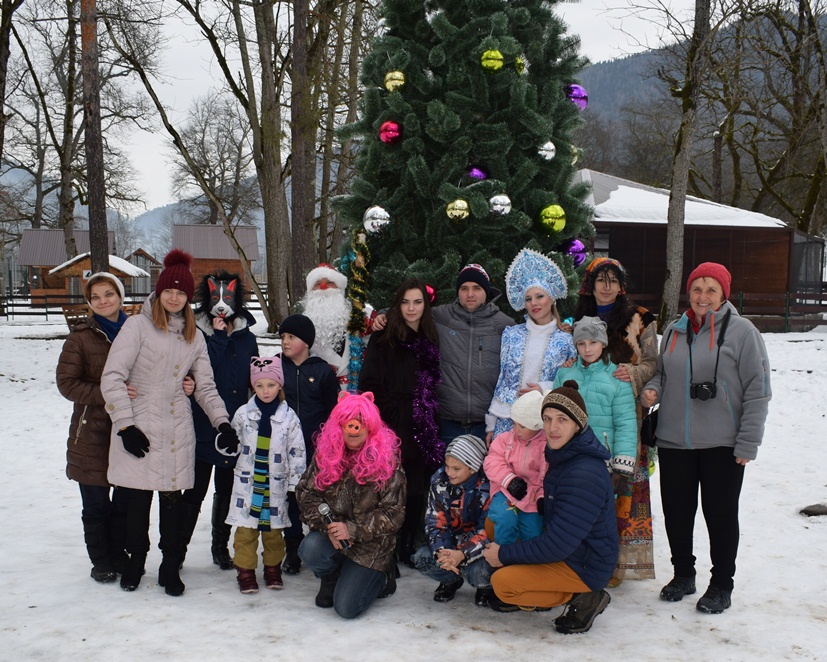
(425, 405)
(357, 285)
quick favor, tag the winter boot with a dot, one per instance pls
(390, 584)
(171, 543)
(581, 612)
(482, 596)
(117, 532)
(715, 600)
(189, 518)
(221, 532)
(677, 588)
(292, 564)
(246, 580)
(446, 592)
(324, 598)
(135, 568)
(272, 576)
(96, 535)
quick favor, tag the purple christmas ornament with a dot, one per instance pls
(477, 174)
(577, 95)
(577, 250)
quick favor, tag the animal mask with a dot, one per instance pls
(222, 297)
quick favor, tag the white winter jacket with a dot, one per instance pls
(287, 463)
(156, 362)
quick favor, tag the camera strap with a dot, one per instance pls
(721, 336)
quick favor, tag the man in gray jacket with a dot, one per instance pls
(470, 331)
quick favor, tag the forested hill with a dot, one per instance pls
(616, 83)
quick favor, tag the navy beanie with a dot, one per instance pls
(300, 326)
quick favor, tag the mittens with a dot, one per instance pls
(226, 442)
(134, 441)
(541, 506)
(518, 488)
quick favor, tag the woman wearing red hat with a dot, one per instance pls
(713, 385)
(152, 445)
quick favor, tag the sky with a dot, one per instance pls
(606, 28)
(52, 610)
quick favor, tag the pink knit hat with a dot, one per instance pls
(268, 367)
(711, 270)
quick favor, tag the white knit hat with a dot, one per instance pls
(527, 410)
(328, 272)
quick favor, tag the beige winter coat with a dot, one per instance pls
(156, 362)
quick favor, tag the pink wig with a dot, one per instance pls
(374, 462)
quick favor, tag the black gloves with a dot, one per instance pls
(226, 442)
(541, 506)
(518, 488)
(618, 480)
(134, 441)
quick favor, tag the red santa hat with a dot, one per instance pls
(326, 271)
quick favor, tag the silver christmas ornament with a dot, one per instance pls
(375, 219)
(500, 204)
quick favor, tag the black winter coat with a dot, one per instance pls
(311, 390)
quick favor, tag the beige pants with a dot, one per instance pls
(245, 545)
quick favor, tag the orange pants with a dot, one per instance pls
(539, 585)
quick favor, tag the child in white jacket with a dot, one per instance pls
(271, 460)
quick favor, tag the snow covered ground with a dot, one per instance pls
(51, 608)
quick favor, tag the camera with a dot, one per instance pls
(703, 391)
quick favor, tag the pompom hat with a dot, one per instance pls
(176, 274)
(711, 270)
(526, 410)
(567, 399)
(268, 367)
(469, 450)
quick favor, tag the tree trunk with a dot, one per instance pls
(98, 231)
(688, 93)
(65, 195)
(7, 9)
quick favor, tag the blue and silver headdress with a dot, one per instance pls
(532, 269)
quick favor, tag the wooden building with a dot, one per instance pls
(78, 270)
(763, 254)
(211, 249)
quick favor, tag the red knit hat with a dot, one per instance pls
(176, 274)
(711, 270)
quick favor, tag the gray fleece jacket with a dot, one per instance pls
(735, 416)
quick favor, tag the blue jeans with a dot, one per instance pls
(450, 430)
(357, 587)
(512, 524)
(477, 573)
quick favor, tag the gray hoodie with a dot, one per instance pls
(735, 416)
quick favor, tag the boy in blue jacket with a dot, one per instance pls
(455, 523)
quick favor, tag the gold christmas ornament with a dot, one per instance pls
(553, 218)
(575, 154)
(519, 65)
(457, 210)
(394, 80)
(492, 60)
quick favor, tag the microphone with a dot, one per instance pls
(327, 516)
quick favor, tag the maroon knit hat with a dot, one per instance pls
(176, 274)
(711, 270)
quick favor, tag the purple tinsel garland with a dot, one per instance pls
(425, 405)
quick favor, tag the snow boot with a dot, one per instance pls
(96, 536)
(715, 600)
(135, 569)
(221, 532)
(483, 596)
(324, 598)
(272, 577)
(677, 588)
(246, 580)
(171, 543)
(446, 592)
(581, 612)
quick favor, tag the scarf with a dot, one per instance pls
(425, 405)
(108, 327)
(260, 503)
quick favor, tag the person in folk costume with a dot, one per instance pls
(633, 347)
(329, 309)
(531, 352)
(226, 326)
(401, 368)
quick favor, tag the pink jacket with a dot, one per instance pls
(510, 457)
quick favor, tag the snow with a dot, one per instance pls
(115, 262)
(52, 609)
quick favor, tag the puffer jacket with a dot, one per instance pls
(230, 355)
(286, 463)
(469, 348)
(373, 516)
(610, 404)
(156, 362)
(79, 371)
(311, 390)
(579, 520)
(455, 514)
(735, 417)
(510, 457)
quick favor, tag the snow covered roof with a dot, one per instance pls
(619, 200)
(115, 262)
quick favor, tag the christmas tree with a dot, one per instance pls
(465, 151)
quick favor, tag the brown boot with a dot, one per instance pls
(272, 576)
(247, 580)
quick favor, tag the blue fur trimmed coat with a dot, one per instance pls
(579, 522)
(455, 515)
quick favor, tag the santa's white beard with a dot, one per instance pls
(330, 311)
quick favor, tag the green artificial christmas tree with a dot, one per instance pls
(465, 146)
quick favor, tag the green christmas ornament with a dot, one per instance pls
(519, 65)
(553, 218)
(457, 210)
(394, 80)
(492, 60)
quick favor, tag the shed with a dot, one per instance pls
(763, 254)
(41, 250)
(78, 269)
(140, 258)
(211, 249)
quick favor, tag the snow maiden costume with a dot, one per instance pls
(530, 353)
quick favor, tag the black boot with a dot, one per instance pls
(171, 542)
(221, 532)
(135, 568)
(292, 564)
(324, 598)
(581, 612)
(96, 535)
(390, 584)
(189, 518)
(446, 592)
